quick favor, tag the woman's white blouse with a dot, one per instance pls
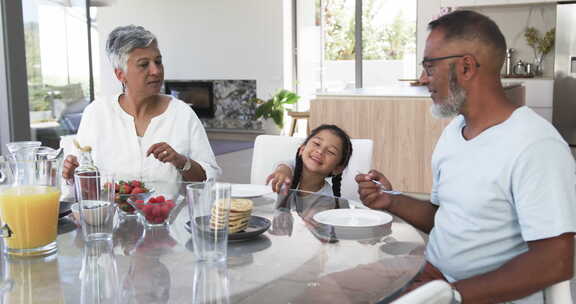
(117, 149)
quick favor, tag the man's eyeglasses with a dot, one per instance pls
(429, 69)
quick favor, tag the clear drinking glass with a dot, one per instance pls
(96, 205)
(99, 274)
(209, 207)
(211, 284)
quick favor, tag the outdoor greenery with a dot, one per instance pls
(37, 93)
(390, 42)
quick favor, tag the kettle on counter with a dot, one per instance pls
(519, 68)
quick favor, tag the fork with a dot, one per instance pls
(391, 192)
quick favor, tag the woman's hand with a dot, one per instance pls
(164, 153)
(70, 164)
(280, 178)
(370, 193)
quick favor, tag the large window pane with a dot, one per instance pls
(57, 62)
(388, 41)
(326, 44)
(339, 38)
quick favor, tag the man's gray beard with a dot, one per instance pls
(451, 105)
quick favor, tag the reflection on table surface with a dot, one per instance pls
(298, 260)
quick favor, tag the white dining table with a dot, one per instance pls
(297, 260)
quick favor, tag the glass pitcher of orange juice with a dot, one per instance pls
(29, 202)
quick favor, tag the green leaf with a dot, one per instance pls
(259, 112)
(278, 117)
(291, 98)
(275, 106)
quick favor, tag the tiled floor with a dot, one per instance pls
(236, 169)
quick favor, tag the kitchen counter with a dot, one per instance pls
(388, 91)
(397, 91)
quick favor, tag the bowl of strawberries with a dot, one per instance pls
(130, 190)
(155, 210)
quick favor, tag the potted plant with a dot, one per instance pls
(540, 45)
(273, 108)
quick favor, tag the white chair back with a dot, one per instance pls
(558, 293)
(435, 292)
(269, 150)
(361, 161)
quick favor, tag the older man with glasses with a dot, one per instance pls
(502, 213)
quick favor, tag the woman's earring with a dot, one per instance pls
(123, 88)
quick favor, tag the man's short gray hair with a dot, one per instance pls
(123, 40)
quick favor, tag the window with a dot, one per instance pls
(58, 66)
(327, 35)
(388, 42)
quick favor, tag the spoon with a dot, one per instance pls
(382, 187)
(391, 192)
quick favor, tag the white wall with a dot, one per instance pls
(205, 39)
(428, 10)
(513, 21)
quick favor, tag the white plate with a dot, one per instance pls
(352, 218)
(356, 205)
(248, 190)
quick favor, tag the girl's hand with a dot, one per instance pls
(164, 153)
(282, 223)
(370, 193)
(70, 164)
(281, 179)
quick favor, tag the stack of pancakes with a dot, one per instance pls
(240, 211)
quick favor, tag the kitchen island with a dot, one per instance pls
(398, 120)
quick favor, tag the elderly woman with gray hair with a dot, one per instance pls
(141, 133)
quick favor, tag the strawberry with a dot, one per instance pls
(152, 200)
(165, 210)
(136, 183)
(137, 190)
(160, 199)
(146, 209)
(128, 188)
(171, 204)
(157, 211)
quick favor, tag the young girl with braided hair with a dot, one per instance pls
(325, 153)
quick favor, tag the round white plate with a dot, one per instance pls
(248, 190)
(356, 205)
(360, 218)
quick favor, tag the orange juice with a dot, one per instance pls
(31, 213)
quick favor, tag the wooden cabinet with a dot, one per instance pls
(402, 128)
